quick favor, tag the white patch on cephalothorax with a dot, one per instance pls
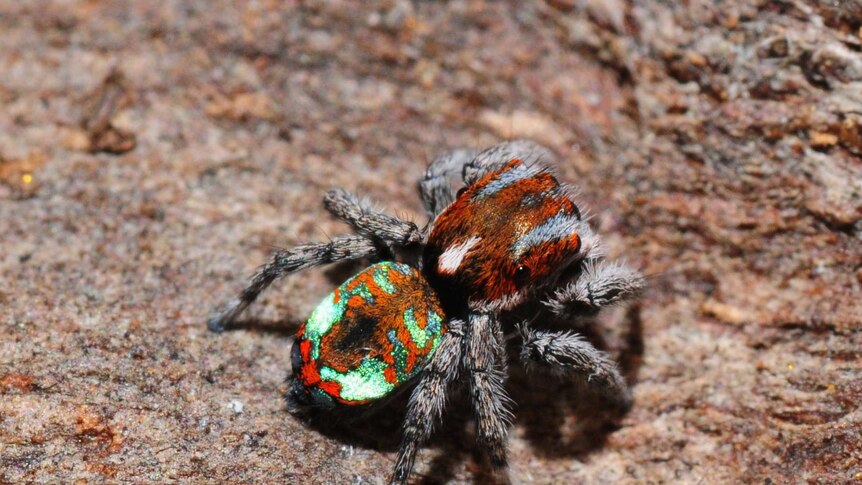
(452, 257)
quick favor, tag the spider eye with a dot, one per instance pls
(522, 275)
(461, 191)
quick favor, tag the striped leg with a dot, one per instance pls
(371, 222)
(286, 261)
(569, 353)
(487, 373)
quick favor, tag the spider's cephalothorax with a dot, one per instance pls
(512, 234)
(512, 228)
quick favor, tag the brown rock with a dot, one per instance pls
(821, 139)
(242, 107)
(19, 382)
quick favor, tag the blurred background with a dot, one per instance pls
(153, 152)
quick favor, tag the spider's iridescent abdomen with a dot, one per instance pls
(369, 336)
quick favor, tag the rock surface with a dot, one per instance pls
(152, 152)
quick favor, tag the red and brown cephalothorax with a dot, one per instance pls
(512, 227)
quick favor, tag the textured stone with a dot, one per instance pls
(152, 152)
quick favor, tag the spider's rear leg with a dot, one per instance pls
(286, 261)
(570, 353)
(599, 285)
(436, 186)
(371, 222)
(483, 352)
(426, 402)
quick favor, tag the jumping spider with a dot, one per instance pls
(511, 235)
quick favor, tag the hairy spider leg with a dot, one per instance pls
(487, 375)
(571, 354)
(600, 284)
(285, 261)
(428, 399)
(371, 222)
(375, 228)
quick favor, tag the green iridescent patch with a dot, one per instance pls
(366, 382)
(327, 314)
(381, 277)
(399, 354)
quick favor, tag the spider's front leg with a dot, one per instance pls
(599, 285)
(569, 352)
(286, 261)
(428, 398)
(483, 360)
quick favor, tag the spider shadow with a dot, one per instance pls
(283, 327)
(380, 428)
(562, 418)
(377, 427)
(559, 418)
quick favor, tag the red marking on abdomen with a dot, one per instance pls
(309, 373)
(333, 389)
